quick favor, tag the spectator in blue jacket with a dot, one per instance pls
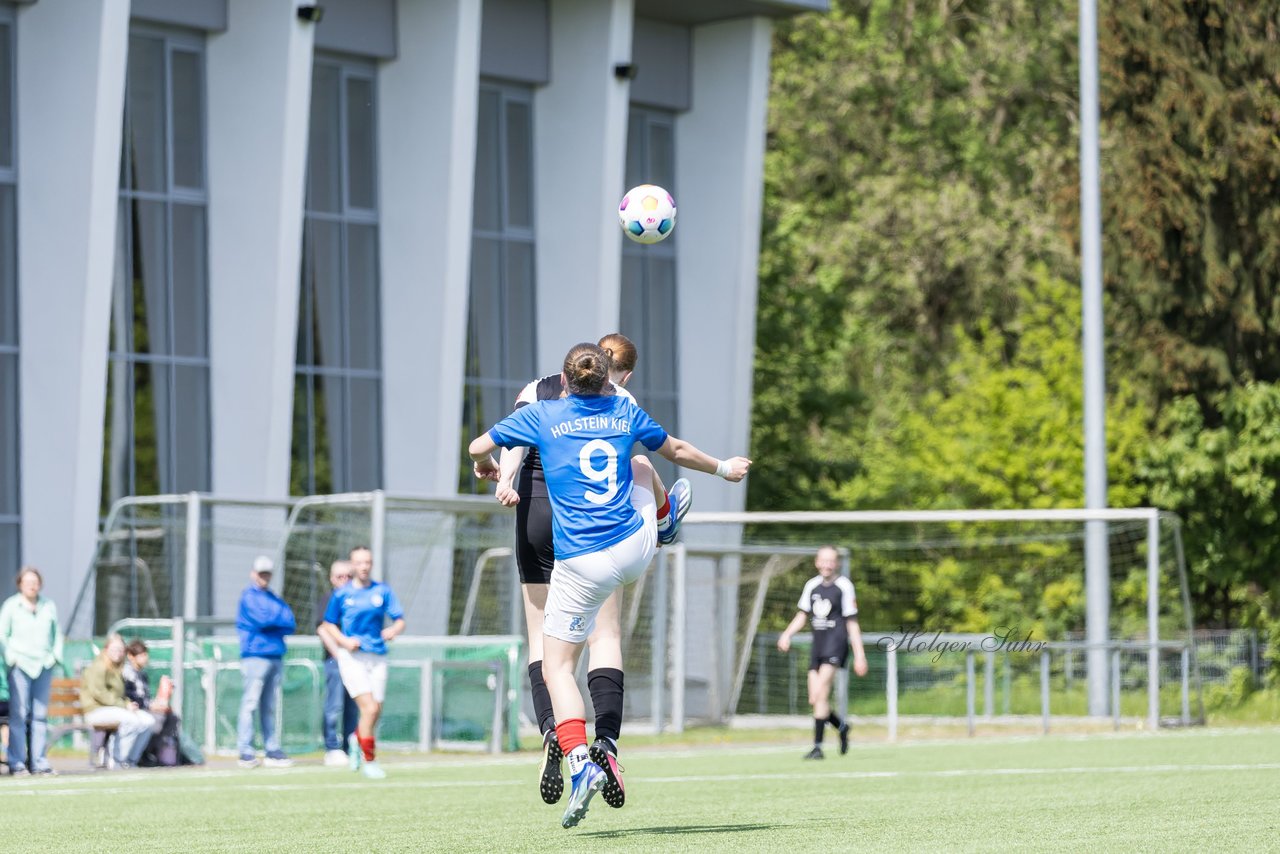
(263, 620)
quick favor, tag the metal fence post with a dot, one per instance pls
(1186, 695)
(211, 707)
(378, 534)
(499, 700)
(1153, 619)
(1115, 687)
(426, 705)
(678, 607)
(1044, 690)
(178, 663)
(989, 686)
(969, 689)
(658, 642)
(1007, 685)
(891, 690)
(191, 571)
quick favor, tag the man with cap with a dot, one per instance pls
(263, 620)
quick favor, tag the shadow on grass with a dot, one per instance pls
(681, 829)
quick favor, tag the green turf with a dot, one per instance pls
(1188, 790)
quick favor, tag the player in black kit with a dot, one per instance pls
(829, 601)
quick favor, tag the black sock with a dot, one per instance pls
(818, 724)
(834, 720)
(541, 699)
(605, 685)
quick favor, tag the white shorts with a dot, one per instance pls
(363, 673)
(580, 585)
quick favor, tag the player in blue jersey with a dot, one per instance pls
(356, 621)
(604, 522)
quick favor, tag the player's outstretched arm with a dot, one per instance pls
(685, 455)
(509, 462)
(481, 450)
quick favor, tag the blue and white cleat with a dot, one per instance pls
(681, 497)
(586, 783)
(354, 754)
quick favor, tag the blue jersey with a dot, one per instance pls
(585, 443)
(361, 611)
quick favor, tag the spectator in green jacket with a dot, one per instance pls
(102, 700)
(32, 648)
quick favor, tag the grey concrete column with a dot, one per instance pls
(259, 90)
(719, 172)
(580, 148)
(71, 70)
(426, 168)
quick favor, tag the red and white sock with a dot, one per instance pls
(572, 735)
(665, 516)
(366, 747)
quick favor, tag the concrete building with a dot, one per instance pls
(266, 247)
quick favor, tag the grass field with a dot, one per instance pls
(1188, 790)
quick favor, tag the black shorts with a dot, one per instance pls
(535, 549)
(829, 653)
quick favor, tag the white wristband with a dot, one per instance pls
(723, 468)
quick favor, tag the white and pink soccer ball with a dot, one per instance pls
(647, 213)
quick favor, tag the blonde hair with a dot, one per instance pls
(621, 352)
(586, 368)
(33, 571)
(102, 653)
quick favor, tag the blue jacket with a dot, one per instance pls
(263, 620)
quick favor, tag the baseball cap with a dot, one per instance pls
(262, 563)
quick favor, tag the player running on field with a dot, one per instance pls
(356, 622)
(535, 560)
(604, 517)
(829, 601)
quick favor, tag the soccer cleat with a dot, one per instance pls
(247, 761)
(844, 738)
(335, 759)
(373, 771)
(681, 498)
(550, 778)
(354, 754)
(816, 753)
(277, 760)
(586, 783)
(614, 793)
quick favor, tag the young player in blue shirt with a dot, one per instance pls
(356, 622)
(604, 519)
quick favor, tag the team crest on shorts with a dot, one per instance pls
(577, 622)
(376, 600)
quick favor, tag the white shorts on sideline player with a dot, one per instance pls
(580, 585)
(363, 673)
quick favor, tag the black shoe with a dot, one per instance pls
(844, 738)
(602, 753)
(550, 778)
(816, 753)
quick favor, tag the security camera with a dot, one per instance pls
(312, 12)
(625, 71)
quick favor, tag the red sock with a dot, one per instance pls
(366, 747)
(571, 733)
(665, 508)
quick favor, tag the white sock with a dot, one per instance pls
(577, 758)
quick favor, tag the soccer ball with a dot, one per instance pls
(647, 213)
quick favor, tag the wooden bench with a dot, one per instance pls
(64, 703)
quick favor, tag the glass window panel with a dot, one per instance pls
(190, 451)
(660, 342)
(144, 103)
(302, 452)
(365, 448)
(117, 435)
(8, 434)
(362, 296)
(121, 315)
(519, 164)
(325, 254)
(8, 265)
(190, 291)
(187, 101)
(6, 94)
(488, 203)
(152, 430)
(521, 311)
(661, 155)
(635, 150)
(10, 552)
(361, 166)
(485, 319)
(331, 433)
(150, 279)
(324, 168)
